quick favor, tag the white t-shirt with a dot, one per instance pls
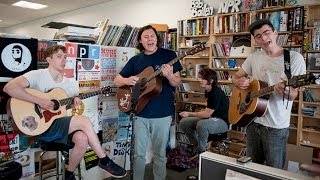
(271, 70)
(41, 79)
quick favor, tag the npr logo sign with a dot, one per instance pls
(82, 51)
(229, 6)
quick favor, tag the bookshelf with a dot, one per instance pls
(298, 32)
(309, 104)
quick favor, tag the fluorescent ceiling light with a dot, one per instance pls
(30, 5)
(0, 20)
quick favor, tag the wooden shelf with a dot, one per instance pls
(311, 103)
(229, 57)
(191, 92)
(232, 34)
(310, 145)
(275, 8)
(226, 69)
(186, 47)
(314, 117)
(312, 51)
(310, 131)
(196, 36)
(190, 102)
(196, 57)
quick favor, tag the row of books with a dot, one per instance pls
(309, 111)
(314, 39)
(194, 27)
(172, 41)
(308, 96)
(313, 61)
(221, 49)
(124, 36)
(284, 20)
(231, 24)
(261, 4)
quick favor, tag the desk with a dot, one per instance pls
(214, 166)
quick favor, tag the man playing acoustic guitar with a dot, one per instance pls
(154, 120)
(75, 131)
(267, 136)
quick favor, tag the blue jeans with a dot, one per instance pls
(267, 145)
(157, 130)
(198, 130)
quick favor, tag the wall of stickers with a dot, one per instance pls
(94, 67)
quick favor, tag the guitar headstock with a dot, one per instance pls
(301, 80)
(199, 47)
(107, 91)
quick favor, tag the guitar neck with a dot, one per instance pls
(262, 92)
(158, 71)
(70, 100)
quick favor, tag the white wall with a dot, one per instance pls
(133, 12)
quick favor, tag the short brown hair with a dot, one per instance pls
(54, 49)
(209, 75)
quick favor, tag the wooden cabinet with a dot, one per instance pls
(309, 101)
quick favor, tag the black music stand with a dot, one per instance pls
(134, 101)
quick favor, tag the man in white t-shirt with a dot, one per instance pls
(72, 131)
(267, 136)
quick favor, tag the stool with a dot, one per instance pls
(216, 140)
(60, 149)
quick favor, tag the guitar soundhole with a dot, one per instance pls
(56, 105)
(143, 82)
(248, 98)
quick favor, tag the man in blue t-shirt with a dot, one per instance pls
(154, 120)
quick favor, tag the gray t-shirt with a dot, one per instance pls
(271, 70)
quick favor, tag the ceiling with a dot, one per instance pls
(12, 15)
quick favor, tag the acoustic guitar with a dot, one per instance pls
(246, 104)
(151, 84)
(32, 120)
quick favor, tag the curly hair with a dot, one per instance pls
(54, 49)
(141, 30)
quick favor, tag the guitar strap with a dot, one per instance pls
(287, 65)
(287, 68)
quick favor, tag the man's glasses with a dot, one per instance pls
(265, 33)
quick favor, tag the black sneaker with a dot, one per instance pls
(71, 177)
(114, 169)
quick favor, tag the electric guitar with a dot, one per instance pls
(151, 85)
(246, 104)
(32, 120)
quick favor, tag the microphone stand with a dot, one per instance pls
(134, 101)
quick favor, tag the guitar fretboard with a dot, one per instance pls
(70, 100)
(192, 51)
